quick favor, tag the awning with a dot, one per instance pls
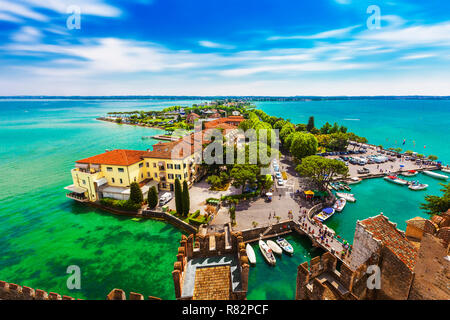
(309, 192)
(75, 189)
(101, 181)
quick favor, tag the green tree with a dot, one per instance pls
(243, 173)
(303, 144)
(310, 126)
(321, 170)
(325, 128)
(136, 193)
(178, 197)
(432, 157)
(214, 181)
(286, 130)
(232, 212)
(436, 204)
(186, 199)
(152, 199)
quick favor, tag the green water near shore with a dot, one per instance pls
(42, 232)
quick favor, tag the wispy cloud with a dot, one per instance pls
(27, 34)
(214, 45)
(321, 35)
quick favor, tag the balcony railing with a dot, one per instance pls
(77, 197)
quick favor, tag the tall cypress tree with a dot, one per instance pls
(310, 124)
(136, 193)
(178, 197)
(186, 200)
(152, 198)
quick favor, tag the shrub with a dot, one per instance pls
(136, 193)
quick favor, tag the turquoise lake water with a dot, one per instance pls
(42, 232)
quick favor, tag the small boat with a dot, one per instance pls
(339, 204)
(325, 214)
(286, 246)
(275, 248)
(416, 185)
(250, 253)
(350, 197)
(410, 173)
(267, 253)
(396, 180)
(446, 170)
(354, 180)
(435, 175)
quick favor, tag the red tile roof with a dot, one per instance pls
(385, 231)
(179, 149)
(118, 157)
(231, 120)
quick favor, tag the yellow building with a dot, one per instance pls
(109, 175)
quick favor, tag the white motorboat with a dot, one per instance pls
(396, 180)
(435, 175)
(275, 248)
(350, 197)
(339, 204)
(417, 186)
(325, 214)
(286, 246)
(410, 173)
(446, 170)
(354, 180)
(250, 254)
(267, 253)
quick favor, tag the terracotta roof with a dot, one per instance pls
(212, 283)
(386, 231)
(231, 120)
(118, 157)
(179, 149)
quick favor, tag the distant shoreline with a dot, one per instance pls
(131, 124)
(247, 98)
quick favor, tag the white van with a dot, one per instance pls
(166, 197)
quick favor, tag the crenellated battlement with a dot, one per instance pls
(228, 247)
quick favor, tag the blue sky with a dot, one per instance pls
(224, 47)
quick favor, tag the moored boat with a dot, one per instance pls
(446, 170)
(354, 180)
(350, 197)
(410, 173)
(267, 253)
(339, 204)
(275, 248)
(416, 185)
(435, 175)
(396, 180)
(250, 254)
(286, 246)
(325, 214)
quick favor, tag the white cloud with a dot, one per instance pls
(89, 7)
(7, 17)
(417, 56)
(322, 35)
(343, 1)
(14, 9)
(27, 34)
(215, 45)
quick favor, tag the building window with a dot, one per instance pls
(177, 167)
(121, 170)
(109, 169)
(185, 175)
(112, 179)
(121, 181)
(141, 165)
(169, 166)
(142, 175)
(134, 179)
(156, 175)
(164, 185)
(178, 176)
(170, 176)
(84, 181)
(148, 174)
(148, 164)
(154, 164)
(184, 165)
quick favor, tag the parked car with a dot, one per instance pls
(280, 182)
(363, 171)
(166, 197)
